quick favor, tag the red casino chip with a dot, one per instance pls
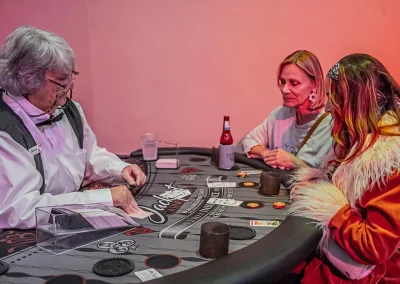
(279, 205)
(241, 174)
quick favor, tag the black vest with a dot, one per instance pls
(11, 123)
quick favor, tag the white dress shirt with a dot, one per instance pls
(66, 167)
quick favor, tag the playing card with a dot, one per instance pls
(167, 163)
(140, 215)
(123, 215)
(93, 212)
(253, 172)
(175, 194)
(264, 223)
(100, 218)
(224, 201)
(221, 184)
(148, 274)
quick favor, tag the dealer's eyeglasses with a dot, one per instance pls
(63, 88)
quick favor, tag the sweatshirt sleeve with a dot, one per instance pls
(258, 136)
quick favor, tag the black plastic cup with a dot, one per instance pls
(270, 183)
(214, 239)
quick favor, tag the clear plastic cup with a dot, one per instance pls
(149, 146)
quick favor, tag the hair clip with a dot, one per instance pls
(333, 73)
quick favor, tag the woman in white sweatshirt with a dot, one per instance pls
(298, 133)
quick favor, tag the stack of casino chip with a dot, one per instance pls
(279, 205)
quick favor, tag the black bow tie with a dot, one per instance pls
(51, 120)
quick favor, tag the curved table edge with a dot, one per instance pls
(267, 260)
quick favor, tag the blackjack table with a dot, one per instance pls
(165, 247)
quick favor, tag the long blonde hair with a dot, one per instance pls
(363, 91)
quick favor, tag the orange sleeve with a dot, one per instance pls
(370, 233)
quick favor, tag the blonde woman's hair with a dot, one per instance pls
(309, 63)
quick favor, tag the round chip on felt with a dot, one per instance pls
(241, 233)
(279, 205)
(248, 184)
(241, 174)
(113, 267)
(253, 204)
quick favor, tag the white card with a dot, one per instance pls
(98, 214)
(123, 214)
(167, 163)
(141, 214)
(148, 274)
(175, 194)
(264, 223)
(92, 212)
(221, 184)
(253, 172)
(224, 201)
(86, 210)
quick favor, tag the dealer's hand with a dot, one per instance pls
(122, 197)
(133, 175)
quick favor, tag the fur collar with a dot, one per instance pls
(373, 167)
(369, 169)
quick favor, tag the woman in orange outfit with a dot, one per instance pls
(355, 196)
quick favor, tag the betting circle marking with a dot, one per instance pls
(241, 233)
(162, 261)
(113, 267)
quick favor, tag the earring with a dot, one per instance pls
(313, 96)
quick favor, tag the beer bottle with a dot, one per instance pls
(226, 147)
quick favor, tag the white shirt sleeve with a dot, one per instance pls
(258, 136)
(20, 183)
(102, 166)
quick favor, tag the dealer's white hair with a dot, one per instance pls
(25, 56)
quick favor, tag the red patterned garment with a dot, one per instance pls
(359, 213)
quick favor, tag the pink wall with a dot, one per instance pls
(176, 67)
